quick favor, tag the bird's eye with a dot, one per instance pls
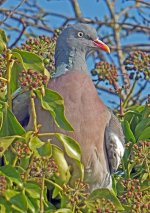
(80, 34)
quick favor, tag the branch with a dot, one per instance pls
(19, 37)
(2, 2)
(12, 11)
(116, 31)
(76, 8)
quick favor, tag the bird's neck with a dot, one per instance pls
(70, 60)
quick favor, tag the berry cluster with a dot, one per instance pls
(106, 72)
(104, 205)
(138, 61)
(21, 149)
(76, 195)
(30, 79)
(3, 184)
(44, 47)
(134, 196)
(43, 166)
(140, 155)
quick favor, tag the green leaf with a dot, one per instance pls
(30, 205)
(71, 146)
(10, 193)
(33, 189)
(128, 132)
(54, 103)
(108, 195)
(24, 162)
(29, 60)
(145, 134)
(40, 147)
(18, 199)
(16, 69)
(3, 40)
(63, 168)
(12, 174)
(45, 150)
(9, 157)
(4, 205)
(35, 143)
(119, 187)
(144, 177)
(141, 127)
(5, 142)
(10, 126)
(32, 202)
(136, 108)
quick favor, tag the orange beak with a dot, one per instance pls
(101, 45)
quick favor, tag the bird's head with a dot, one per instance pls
(75, 43)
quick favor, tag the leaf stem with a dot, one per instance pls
(121, 105)
(42, 195)
(55, 184)
(3, 79)
(8, 75)
(15, 161)
(32, 96)
(46, 134)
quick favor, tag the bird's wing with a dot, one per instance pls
(114, 139)
(21, 102)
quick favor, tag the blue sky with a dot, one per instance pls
(89, 9)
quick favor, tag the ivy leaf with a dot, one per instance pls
(71, 146)
(63, 168)
(18, 199)
(45, 150)
(39, 147)
(5, 142)
(128, 132)
(106, 194)
(141, 129)
(54, 103)
(16, 69)
(11, 173)
(33, 204)
(10, 125)
(29, 60)
(145, 134)
(5, 206)
(33, 189)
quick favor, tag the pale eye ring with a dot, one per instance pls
(80, 34)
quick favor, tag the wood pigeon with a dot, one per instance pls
(96, 128)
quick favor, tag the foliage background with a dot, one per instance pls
(124, 26)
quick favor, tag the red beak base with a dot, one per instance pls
(101, 45)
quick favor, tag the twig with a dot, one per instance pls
(12, 11)
(19, 37)
(129, 94)
(116, 31)
(76, 8)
